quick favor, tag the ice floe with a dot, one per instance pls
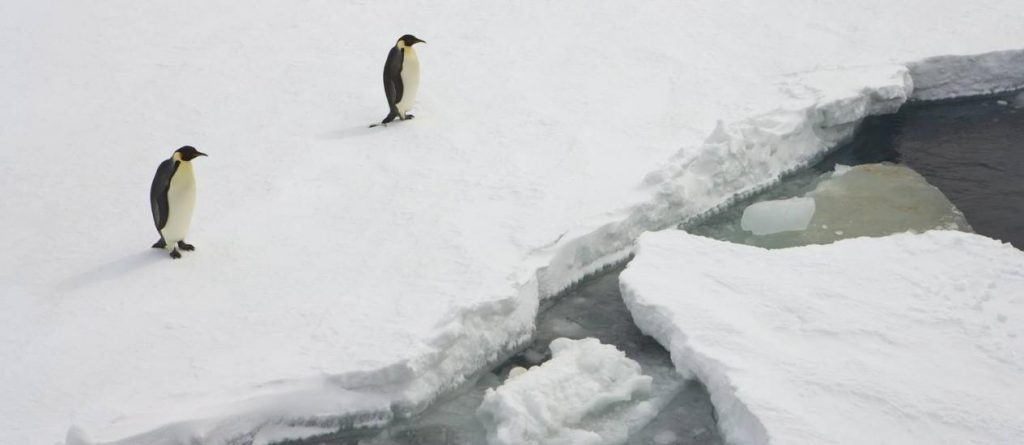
(588, 393)
(909, 338)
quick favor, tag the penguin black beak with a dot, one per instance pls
(420, 41)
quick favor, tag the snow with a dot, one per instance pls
(781, 215)
(574, 398)
(345, 276)
(908, 338)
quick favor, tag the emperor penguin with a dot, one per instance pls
(172, 197)
(401, 78)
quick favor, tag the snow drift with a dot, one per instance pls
(901, 339)
(343, 276)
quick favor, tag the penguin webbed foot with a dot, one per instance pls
(175, 254)
(390, 117)
(185, 246)
(160, 244)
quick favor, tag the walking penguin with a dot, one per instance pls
(401, 78)
(172, 197)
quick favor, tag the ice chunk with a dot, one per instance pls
(784, 215)
(870, 340)
(571, 399)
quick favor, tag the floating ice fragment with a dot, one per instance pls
(566, 400)
(784, 215)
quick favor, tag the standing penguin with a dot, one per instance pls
(172, 197)
(401, 78)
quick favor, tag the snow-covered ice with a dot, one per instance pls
(344, 276)
(910, 338)
(950, 76)
(586, 394)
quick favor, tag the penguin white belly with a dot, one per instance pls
(410, 81)
(181, 199)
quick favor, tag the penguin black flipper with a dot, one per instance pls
(158, 192)
(393, 87)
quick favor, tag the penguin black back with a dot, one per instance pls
(393, 87)
(158, 191)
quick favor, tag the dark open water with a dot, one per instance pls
(971, 149)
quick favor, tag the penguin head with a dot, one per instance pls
(187, 153)
(408, 40)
